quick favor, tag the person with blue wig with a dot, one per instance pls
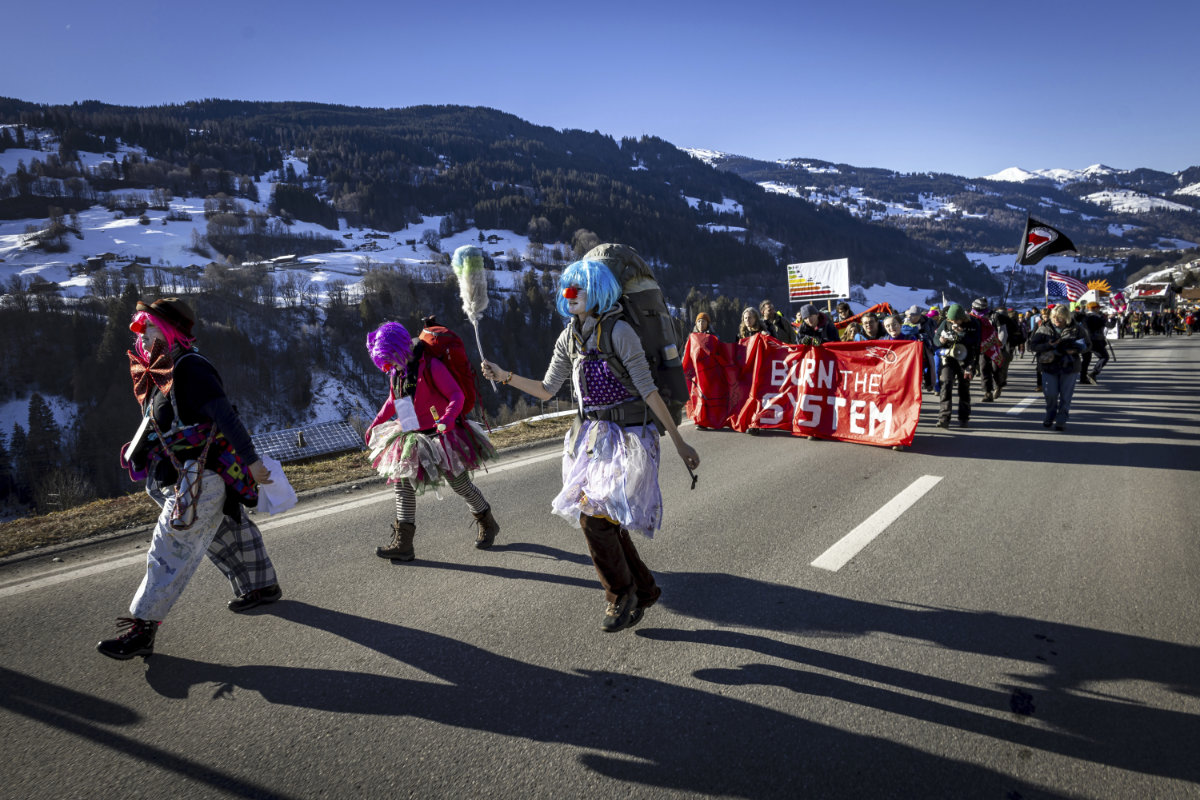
(611, 454)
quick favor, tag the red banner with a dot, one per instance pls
(867, 392)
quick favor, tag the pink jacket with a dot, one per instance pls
(444, 395)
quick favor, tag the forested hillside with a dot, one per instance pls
(718, 242)
(383, 168)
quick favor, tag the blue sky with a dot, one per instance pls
(965, 87)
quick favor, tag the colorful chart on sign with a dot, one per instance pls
(802, 289)
(818, 280)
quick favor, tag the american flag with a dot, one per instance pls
(1063, 287)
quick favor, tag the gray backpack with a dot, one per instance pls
(644, 308)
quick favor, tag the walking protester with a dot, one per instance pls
(611, 454)
(919, 327)
(893, 327)
(958, 349)
(703, 324)
(775, 324)
(420, 438)
(1011, 337)
(1057, 346)
(816, 329)
(846, 333)
(1094, 326)
(991, 342)
(871, 328)
(751, 324)
(200, 467)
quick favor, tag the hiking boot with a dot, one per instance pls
(488, 528)
(618, 613)
(257, 597)
(401, 547)
(989, 397)
(137, 639)
(943, 423)
(642, 604)
(1095, 377)
(1046, 423)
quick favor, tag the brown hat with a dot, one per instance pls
(703, 315)
(170, 310)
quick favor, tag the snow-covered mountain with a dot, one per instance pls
(1059, 176)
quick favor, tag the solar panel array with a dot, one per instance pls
(294, 444)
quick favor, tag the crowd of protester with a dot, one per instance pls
(1067, 344)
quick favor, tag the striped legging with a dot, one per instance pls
(406, 496)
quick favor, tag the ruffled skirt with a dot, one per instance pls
(425, 459)
(610, 471)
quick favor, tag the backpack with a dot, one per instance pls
(1016, 335)
(644, 308)
(447, 346)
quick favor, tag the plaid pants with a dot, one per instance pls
(236, 548)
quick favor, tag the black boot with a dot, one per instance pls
(137, 640)
(401, 547)
(618, 613)
(488, 528)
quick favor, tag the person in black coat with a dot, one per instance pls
(775, 323)
(957, 339)
(816, 328)
(200, 467)
(1058, 345)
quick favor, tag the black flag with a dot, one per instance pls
(1040, 241)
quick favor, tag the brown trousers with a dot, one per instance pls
(617, 561)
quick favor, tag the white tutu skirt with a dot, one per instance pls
(610, 471)
(428, 460)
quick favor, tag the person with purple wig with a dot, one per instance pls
(200, 467)
(420, 439)
(611, 455)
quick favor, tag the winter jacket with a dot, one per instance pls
(779, 327)
(946, 336)
(824, 332)
(437, 397)
(1065, 344)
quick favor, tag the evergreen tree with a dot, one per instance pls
(6, 471)
(43, 440)
(22, 487)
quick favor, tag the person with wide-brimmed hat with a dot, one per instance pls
(200, 467)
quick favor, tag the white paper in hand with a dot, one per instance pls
(406, 414)
(278, 495)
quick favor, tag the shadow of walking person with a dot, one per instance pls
(636, 729)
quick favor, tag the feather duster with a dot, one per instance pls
(472, 280)
(472, 285)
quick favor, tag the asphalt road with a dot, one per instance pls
(1026, 627)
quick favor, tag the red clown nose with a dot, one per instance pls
(571, 292)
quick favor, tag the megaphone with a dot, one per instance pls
(958, 352)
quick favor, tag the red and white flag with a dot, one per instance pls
(1063, 287)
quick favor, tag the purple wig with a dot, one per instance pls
(389, 346)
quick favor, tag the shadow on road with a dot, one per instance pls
(1066, 661)
(1142, 397)
(636, 729)
(82, 715)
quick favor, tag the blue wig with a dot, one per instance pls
(596, 279)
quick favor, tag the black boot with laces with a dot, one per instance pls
(136, 640)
